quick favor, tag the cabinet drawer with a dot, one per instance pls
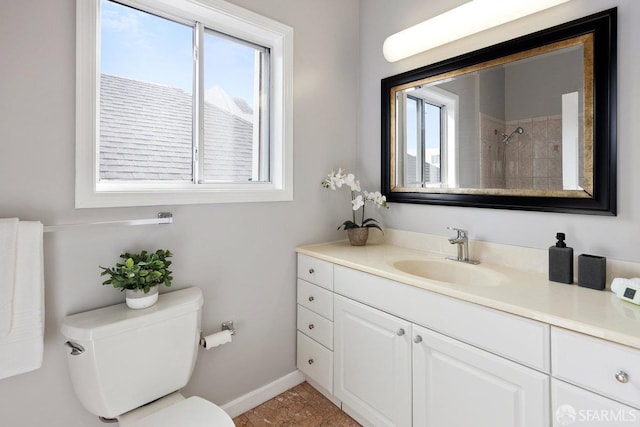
(571, 404)
(593, 364)
(315, 326)
(315, 361)
(315, 271)
(316, 299)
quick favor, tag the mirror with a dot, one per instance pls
(526, 124)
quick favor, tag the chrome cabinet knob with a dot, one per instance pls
(310, 361)
(311, 326)
(400, 332)
(417, 339)
(311, 299)
(311, 271)
(622, 377)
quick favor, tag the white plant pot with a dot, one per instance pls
(137, 299)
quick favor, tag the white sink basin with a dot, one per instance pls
(452, 272)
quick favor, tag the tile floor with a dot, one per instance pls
(301, 406)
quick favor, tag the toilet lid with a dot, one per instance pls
(191, 412)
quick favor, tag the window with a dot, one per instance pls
(424, 141)
(428, 138)
(181, 102)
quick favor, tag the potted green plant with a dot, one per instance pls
(139, 276)
(358, 232)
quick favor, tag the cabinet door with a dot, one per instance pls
(372, 364)
(458, 385)
(573, 405)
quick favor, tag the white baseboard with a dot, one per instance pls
(257, 397)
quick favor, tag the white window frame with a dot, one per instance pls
(449, 145)
(221, 16)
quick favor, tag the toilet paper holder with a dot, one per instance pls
(226, 326)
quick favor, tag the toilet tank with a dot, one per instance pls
(132, 357)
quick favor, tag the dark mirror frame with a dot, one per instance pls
(603, 26)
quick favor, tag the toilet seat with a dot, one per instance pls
(191, 412)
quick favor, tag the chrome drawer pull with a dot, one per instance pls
(311, 299)
(310, 361)
(311, 271)
(311, 326)
(400, 332)
(622, 377)
(417, 339)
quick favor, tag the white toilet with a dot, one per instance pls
(128, 365)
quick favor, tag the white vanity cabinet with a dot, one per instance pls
(573, 405)
(458, 385)
(390, 372)
(397, 355)
(372, 364)
(394, 371)
(314, 356)
(595, 382)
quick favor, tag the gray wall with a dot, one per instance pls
(492, 92)
(614, 237)
(468, 149)
(241, 255)
(537, 91)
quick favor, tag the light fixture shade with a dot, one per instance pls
(463, 21)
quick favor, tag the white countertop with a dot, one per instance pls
(529, 294)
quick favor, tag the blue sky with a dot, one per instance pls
(145, 47)
(432, 124)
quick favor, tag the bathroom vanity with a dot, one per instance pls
(401, 337)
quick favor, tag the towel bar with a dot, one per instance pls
(162, 218)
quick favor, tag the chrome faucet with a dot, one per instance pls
(462, 240)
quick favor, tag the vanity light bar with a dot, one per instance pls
(470, 18)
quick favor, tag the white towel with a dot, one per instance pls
(8, 242)
(22, 349)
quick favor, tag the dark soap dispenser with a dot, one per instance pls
(561, 261)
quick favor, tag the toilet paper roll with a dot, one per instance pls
(216, 339)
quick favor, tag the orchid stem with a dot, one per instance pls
(353, 213)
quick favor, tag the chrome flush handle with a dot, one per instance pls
(76, 348)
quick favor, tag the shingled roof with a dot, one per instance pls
(145, 133)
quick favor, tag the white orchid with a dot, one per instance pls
(352, 182)
(357, 202)
(377, 198)
(336, 180)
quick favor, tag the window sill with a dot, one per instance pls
(159, 197)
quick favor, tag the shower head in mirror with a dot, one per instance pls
(506, 138)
